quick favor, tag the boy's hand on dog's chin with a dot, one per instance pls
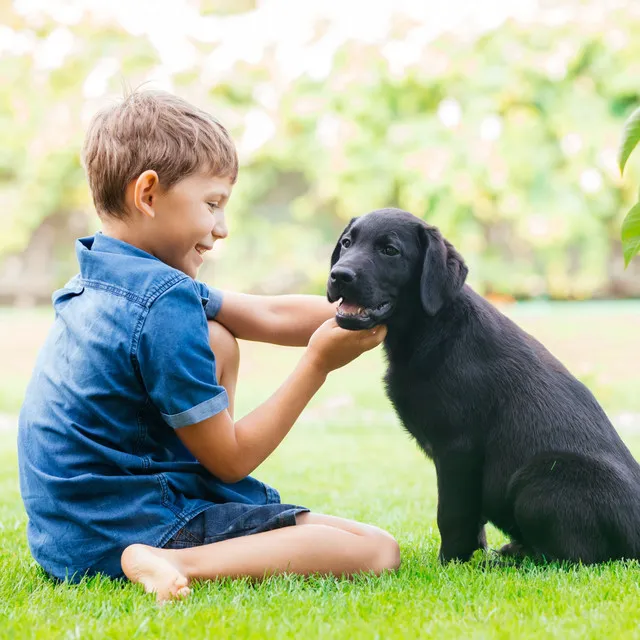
(331, 347)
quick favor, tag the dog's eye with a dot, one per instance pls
(346, 243)
(390, 251)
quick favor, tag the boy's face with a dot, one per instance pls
(188, 219)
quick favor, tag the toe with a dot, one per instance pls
(180, 588)
(183, 592)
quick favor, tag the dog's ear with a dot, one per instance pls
(443, 271)
(336, 251)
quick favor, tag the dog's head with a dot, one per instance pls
(385, 256)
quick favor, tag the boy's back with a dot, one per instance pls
(101, 466)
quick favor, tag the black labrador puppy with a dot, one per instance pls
(515, 438)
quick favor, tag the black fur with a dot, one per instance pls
(516, 439)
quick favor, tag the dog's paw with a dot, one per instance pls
(513, 550)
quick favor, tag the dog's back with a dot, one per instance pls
(474, 379)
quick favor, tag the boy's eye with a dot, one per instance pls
(213, 205)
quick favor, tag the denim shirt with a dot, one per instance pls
(126, 363)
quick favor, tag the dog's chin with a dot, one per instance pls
(359, 318)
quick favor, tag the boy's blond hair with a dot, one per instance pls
(152, 130)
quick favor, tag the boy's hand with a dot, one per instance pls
(331, 347)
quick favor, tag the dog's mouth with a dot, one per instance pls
(352, 310)
(350, 315)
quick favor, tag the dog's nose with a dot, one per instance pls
(343, 275)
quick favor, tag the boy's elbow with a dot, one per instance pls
(213, 442)
(230, 475)
(230, 478)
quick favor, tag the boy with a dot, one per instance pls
(130, 459)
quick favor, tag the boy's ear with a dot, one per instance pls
(144, 192)
(443, 271)
(336, 251)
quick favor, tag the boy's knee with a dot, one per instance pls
(224, 346)
(387, 554)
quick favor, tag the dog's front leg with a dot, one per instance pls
(460, 518)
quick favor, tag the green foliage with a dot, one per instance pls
(507, 141)
(631, 224)
(631, 233)
(630, 138)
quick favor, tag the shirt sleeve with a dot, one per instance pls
(176, 362)
(214, 300)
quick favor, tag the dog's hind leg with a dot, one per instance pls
(572, 508)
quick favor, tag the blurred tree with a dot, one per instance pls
(506, 139)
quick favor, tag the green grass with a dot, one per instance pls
(348, 456)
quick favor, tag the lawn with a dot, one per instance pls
(348, 456)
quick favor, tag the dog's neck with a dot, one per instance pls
(411, 328)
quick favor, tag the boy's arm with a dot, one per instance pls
(286, 320)
(231, 451)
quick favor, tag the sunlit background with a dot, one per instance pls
(497, 121)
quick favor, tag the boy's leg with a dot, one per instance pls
(318, 544)
(227, 353)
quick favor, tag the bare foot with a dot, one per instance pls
(153, 569)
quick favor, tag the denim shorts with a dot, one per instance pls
(232, 520)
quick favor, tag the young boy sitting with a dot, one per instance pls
(130, 458)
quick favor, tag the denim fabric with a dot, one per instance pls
(232, 520)
(126, 363)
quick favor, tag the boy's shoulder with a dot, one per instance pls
(116, 278)
(115, 266)
(121, 269)
(158, 331)
(145, 289)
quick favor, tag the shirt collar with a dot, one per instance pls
(130, 268)
(107, 244)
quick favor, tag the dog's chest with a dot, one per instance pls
(409, 393)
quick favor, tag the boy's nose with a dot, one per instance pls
(220, 227)
(220, 232)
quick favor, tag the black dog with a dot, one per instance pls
(516, 439)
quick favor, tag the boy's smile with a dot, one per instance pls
(178, 225)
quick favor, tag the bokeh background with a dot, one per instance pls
(497, 121)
